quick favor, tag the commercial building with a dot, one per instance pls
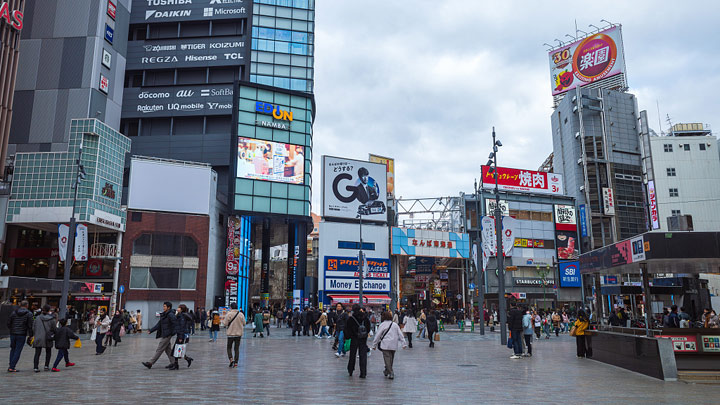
(11, 24)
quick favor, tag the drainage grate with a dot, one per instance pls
(467, 365)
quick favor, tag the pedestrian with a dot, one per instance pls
(409, 326)
(182, 334)
(373, 321)
(486, 317)
(357, 328)
(684, 318)
(322, 322)
(396, 317)
(422, 324)
(340, 331)
(389, 338)
(192, 324)
(258, 324)
(515, 326)
(214, 324)
(44, 334)
(537, 322)
(296, 324)
(235, 323)
(62, 344)
(556, 319)
(20, 325)
(527, 323)
(138, 319)
(431, 326)
(266, 321)
(566, 322)
(102, 327)
(203, 319)
(116, 325)
(164, 330)
(672, 320)
(580, 326)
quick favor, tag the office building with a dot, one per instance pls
(11, 24)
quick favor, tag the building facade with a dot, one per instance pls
(11, 24)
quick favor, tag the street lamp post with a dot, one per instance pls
(500, 255)
(80, 175)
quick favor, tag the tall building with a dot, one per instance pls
(11, 24)
(597, 149)
(684, 177)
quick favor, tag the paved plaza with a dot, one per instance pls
(462, 368)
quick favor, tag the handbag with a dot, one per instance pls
(93, 335)
(573, 331)
(179, 351)
(437, 336)
(122, 331)
(510, 341)
(78, 343)
(346, 345)
(30, 340)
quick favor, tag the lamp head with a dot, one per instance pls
(498, 143)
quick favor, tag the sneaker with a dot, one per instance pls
(337, 354)
(69, 364)
(318, 336)
(46, 368)
(147, 364)
(328, 337)
(232, 363)
(37, 370)
(391, 376)
(55, 370)
(515, 356)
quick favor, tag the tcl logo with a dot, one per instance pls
(14, 18)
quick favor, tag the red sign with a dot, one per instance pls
(104, 84)
(34, 253)
(654, 216)
(528, 181)
(111, 9)
(94, 268)
(13, 18)
(682, 343)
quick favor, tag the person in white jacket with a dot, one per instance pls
(409, 326)
(388, 338)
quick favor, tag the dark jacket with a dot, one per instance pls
(332, 318)
(304, 318)
(296, 318)
(354, 322)
(20, 322)
(166, 326)
(63, 336)
(514, 320)
(341, 321)
(43, 328)
(614, 320)
(183, 324)
(431, 322)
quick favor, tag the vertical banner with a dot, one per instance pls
(81, 243)
(62, 240)
(487, 232)
(652, 198)
(583, 223)
(509, 226)
(608, 201)
(232, 260)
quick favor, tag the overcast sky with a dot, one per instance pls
(425, 81)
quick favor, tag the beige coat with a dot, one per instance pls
(237, 327)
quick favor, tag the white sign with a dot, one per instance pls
(565, 214)
(638, 249)
(423, 242)
(106, 59)
(509, 227)
(354, 188)
(81, 243)
(489, 244)
(62, 240)
(652, 197)
(104, 84)
(346, 284)
(490, 207)
(608, 201)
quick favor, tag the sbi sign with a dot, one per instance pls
(274, 110)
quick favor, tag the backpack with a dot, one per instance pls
(362, 332)
(216, 319)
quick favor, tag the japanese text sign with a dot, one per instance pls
(523, 180)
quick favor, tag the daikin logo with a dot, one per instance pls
(226, 1)
(167, 14)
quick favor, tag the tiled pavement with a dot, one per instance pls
(462, 368)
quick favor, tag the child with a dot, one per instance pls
(62, 344)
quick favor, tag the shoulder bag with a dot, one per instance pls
(232, 320)
(383, 337)
(573, 331)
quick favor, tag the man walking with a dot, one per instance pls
(20, 325)
(305, 321)
(515, 325)
(296, 321)
(164, 329)
(235, 323)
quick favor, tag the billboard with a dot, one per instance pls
(567, 245)
(177, 53)
(528, 181)
(565, 218)
(199, 100)
(570, 274)
(390, 163)
(608, 201)
(588, 60)
(272, 161)
(353, 188)
(652, 198)
(153, 11)
(422, 242)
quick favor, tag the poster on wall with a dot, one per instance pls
(272, 161)
(566, 244)
(390, 164)
(354, 189)
(570, 274)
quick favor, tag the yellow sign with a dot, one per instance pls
(390, 164)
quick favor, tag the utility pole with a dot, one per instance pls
(500, 255)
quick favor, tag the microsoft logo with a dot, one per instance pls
(208, 12)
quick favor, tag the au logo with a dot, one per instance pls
(274, 110)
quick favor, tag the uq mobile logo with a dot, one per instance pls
(365, 189)
(275, 111)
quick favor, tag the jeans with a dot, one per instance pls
(421, 331)
(430, 337)
(233, 341)
(213, 335)
(99, 342)
(38, 351)
(266, 326)
(517, 342)
(341, 342)
(192, 327)
(323, 331)
(62, 353)
(16, 345)
(528, 343)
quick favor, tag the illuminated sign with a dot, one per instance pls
(528, 181)
(275, 111)
(13, 18)
(570, 274)
(109, 33)
(654, 216)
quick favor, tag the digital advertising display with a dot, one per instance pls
(272, 161)
(354, 189)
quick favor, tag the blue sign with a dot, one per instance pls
(109, 33)
(342, 274)
(583, 223)
(611, 280)
(424, 265)
(570, 274)
(121, 289)
(471, 286)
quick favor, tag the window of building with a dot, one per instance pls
(191, 76)
(674, 192)
(686, 146)
(671, 172)
(136, 217)
(194, 29)
(161, 31)
(342, 244)
(141, 245)
(702, 146)
(158, 278)
(668, 147)
(165, 245)
(188, 125)
(676, 213)
(159, 77)
(130, 127)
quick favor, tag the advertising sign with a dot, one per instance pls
(390, 164)
(175, 53)
(652, 197)
(565, 218)
(490, 205)
(570, 274)
(150, 11)
(424, 265)
(273, 161)
(111, 9)
(235, 245)
(528, 181)
(341, 274)
(353, 188)
(106, 59)
(199, 100)
(63, 240)
(710, 343)
(109, 33)
(104, 84)
(638, 249)
(532, 281)
(422, 242)
(684, 343)
(608, 201)
(566, 245)
(81, 243)
(586, 61)
(583, 221)
(13, 18)
(488, 239)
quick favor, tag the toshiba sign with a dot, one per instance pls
(14, 18)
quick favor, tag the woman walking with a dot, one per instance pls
(421, 324)
(323, 326)
(389, 338)
(432, 326)
(102, 326)
(116, 325)
(409, 326)
(214, 324)
(580, 326)
(44, 333)
(182, 332)
(258, 320)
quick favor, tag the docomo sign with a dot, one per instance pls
(275, 111)
(654, 216)
(594, 58)
(528, 181)
(14, 18)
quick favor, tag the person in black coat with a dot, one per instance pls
(515, 326)
(305, 321)
(164, 330)
(296, 321)
(19, 324)
(116, 325)
(62, 344)
(357, 328)
(431, 325)
(182, 332)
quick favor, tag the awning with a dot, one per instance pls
(354, 299)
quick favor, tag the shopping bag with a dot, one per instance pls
(93, 335)
(346, 345)
(78, 343)
(437, 337)
(122, 331)
(179, 351)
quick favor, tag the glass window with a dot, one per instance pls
(686, 146)
(674, 192)
(668, 147)
(702, 146)
(283, 35)
(671, 172)
(187, 279)
(676, 213)
(141, 245)
(139, 277)
(301, 37)
(163, 278)
(166, 245)
(190, 247)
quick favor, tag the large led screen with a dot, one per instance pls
(272, 161)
